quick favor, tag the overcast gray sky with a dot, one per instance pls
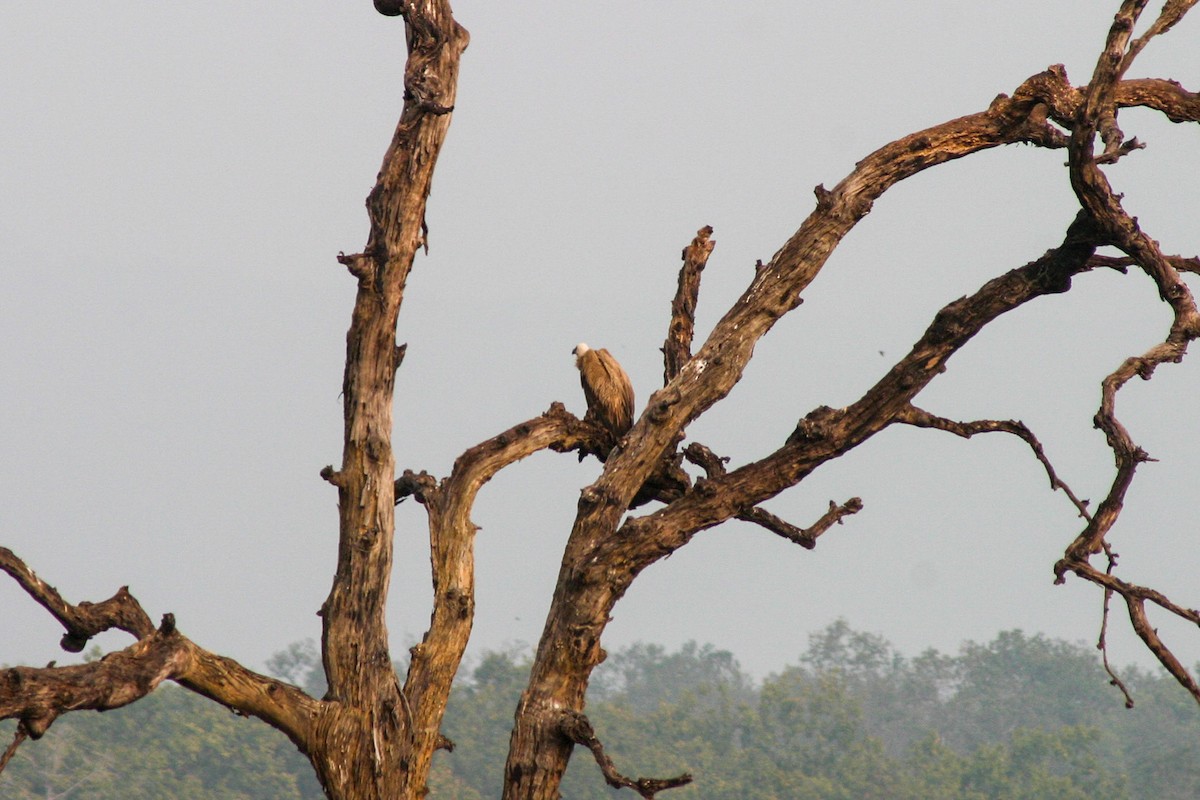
(176, 180)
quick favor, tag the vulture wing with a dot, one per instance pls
(608, 390)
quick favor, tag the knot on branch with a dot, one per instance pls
(814, 427)
(420, 485)
(824, 200)
(700, 455)
(390, 8)
(360, 265)
(660, 407)
(332, 476)
(73, 641)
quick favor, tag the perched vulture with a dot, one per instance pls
(607, 389)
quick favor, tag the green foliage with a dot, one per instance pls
(172, 744)
(1019, 718)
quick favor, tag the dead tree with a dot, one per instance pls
(373, 737)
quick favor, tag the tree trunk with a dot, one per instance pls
(369, 745)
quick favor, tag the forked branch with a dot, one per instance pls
(1098, 117)
(805, 537)
(714, 466)
(85, 620)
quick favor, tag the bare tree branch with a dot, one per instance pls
(1169, 97)
(18, 736)
(714, 466)
(81, 621)
(38, 696)
(376, 742)
(923, 419)
(1099, 200)
(1135, 597)
(576, 728)
(1102, 642)
(805, 537)
(677, 350)
(826, 433)
(1121, 263)
(435, 660)
(1172, 12)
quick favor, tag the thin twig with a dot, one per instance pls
(920, 418)
(1102, 643)
(19, 737)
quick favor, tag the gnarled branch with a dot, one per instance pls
(920, 418)
(576, 728)
(85, 620)
(678, 347)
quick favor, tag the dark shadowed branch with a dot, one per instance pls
(1097, 118)
(805, 537)
(920, 418)
(714, 466)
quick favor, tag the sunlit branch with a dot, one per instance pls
(84, 620)
(678, 347)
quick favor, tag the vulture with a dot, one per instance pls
(607, 389)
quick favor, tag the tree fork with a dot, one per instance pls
(369, 744)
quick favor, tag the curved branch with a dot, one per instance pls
(83, 621)
(1097, 117)
(805, 537)
(714, 466)
(920, 418)
(1135, 599)
(18, 737)
(281, 705)
(448, 504)
(1168, 97)
(38, 696)
(576, 728)
(827, 433)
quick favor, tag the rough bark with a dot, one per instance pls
(373, 744)
(604, 555)
(363, 739)
(370, 737)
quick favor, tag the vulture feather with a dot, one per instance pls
(607, 389)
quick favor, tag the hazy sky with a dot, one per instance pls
(177, 179)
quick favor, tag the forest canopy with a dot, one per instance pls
(1019, 716)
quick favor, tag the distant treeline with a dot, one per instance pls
(1019, 717)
